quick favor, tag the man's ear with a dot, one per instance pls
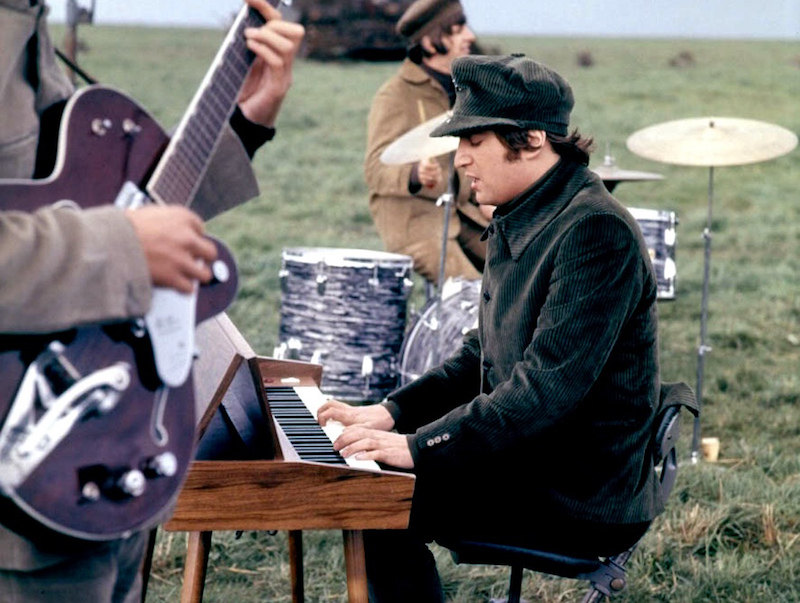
(426, 44)
(536, 139)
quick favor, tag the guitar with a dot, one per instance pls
(97, 425)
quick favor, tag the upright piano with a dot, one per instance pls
(263, 463)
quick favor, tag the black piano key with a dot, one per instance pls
(300, 426)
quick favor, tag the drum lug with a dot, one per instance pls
(321, 279)
(288, 350)
(374, 282)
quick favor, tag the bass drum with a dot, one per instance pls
(437, 331)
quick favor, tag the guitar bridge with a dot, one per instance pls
(51, 399)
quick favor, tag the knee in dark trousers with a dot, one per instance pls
(400, 568)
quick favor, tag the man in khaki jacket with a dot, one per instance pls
(61, 267)
(403, 197)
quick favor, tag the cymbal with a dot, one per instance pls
(417, 144)
(610, 172)
(712, 141)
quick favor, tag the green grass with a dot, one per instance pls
(731, 531)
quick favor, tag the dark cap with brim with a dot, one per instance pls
(507, 92)
(424, 16)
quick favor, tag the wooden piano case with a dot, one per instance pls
(250, 477)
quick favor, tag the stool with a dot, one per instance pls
(606, 575)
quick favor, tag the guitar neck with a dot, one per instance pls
(183, 163)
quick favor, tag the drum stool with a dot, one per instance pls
(606, 575)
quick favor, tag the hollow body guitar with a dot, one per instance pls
(97, 423)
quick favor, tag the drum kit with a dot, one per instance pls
(710, 142)
(347, 308)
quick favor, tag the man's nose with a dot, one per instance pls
(461, 157)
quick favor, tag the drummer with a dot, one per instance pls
(536, 431)
(403, 198)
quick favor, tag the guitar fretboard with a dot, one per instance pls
(183, 163)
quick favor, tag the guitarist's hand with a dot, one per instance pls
(177, 253)
(275, 45)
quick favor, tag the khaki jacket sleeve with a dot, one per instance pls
(61, 267)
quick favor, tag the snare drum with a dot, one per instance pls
(438, 330)
(346, 310)
(658, 228)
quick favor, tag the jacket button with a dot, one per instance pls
(486, 296)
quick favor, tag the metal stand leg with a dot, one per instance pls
(703, 348)
(444, 201)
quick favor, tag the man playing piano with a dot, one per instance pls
(536, 430)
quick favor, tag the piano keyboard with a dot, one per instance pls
(295, 410)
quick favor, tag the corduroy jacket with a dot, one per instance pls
(555, 392)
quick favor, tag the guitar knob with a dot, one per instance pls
(131, 483)
(162, 465)
(220, 271)
(91, 492)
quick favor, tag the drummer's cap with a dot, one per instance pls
(424, 16)
(502, 92)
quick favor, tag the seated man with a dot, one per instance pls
(403, 197)
(536, 432)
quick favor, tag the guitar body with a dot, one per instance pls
(96, 155)
(126, 441)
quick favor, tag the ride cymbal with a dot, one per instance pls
(712, 141)
(417, 144)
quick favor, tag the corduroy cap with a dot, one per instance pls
(423, 16)
(507, 91)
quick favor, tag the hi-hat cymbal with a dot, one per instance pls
(712, 141)
(417, 144)
(610, 172)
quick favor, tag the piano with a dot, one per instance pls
(263, 463)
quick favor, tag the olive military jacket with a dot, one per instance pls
(413, 224)
(97, 251)
(559, 384)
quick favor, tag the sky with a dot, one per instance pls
(736, 19)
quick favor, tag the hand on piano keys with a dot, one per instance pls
(363, 432)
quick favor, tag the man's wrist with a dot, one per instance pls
(252, 134)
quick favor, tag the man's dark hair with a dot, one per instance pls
(416, 52)
(574, 146)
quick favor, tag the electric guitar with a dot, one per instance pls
(97, 423)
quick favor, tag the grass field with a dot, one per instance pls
(732, 529)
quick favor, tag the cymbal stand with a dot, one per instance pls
(703, 348)
(444, 201)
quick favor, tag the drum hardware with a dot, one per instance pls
(710, 142)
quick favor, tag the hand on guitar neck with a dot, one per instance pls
(275, 45)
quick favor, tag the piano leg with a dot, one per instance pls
(355, 564)
(194, 569)
(296, 565)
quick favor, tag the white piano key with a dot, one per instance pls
(313, 398)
